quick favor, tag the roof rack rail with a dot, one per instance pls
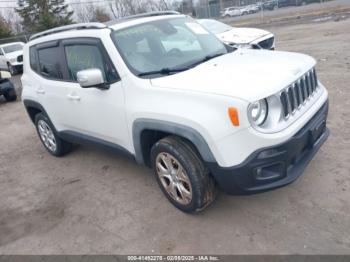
(149, 14)
(78, 26)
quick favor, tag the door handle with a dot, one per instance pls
(40, 91)
(73, 97)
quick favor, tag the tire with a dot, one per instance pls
(11, 69)
(193, 188)
(11, 95)
(49, 138)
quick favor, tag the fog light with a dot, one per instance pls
(269, 153)
(269, 172)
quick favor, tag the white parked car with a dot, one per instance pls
(11, 57)
(240, 37)
(252, 9)
(231, 12)
(162, 89)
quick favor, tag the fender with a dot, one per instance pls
(189, 133)
(33, 104)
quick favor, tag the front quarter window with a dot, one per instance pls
(165, 46)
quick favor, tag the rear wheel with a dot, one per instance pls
(181, 174)
(48, 136)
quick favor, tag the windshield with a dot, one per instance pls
(215, 27)
(166, 46)
(12, 48)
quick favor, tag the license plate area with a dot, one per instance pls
(316, 132)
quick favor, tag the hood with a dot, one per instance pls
(246, 74)
(14, 54)
(242, 35)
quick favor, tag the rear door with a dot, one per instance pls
(50, 88)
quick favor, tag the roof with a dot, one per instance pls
(95, 25)
(78, 26)
(133, 17)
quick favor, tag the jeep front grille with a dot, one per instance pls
(297, 94)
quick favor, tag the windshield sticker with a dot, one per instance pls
(197, 29)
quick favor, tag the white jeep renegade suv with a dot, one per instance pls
(162, 89)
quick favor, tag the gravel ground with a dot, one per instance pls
(95, 202)
(296, 14)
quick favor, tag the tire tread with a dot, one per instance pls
(202, 179)
(63, 147)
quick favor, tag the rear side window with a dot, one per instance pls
(33, 59)
(84, 56)
(49, 62)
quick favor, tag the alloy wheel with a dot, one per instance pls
(47, 136)
(174, 178)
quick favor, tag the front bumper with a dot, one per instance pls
(276, 166)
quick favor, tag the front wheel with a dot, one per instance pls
(48, 136)
(181, 174)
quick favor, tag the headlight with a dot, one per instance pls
(13, 60)
(258, 111)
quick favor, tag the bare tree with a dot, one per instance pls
(84, 12)
(5, 30)
(12, 19)
(100, 15)
(91, 13)
(121, 8)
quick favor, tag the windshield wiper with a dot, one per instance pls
(168, 71)
(206, 58)
(163, 71)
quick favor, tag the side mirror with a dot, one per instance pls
(5, 75)
(91, 78)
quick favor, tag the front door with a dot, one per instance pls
(92, 111)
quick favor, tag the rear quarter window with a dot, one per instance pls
(33, 59)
